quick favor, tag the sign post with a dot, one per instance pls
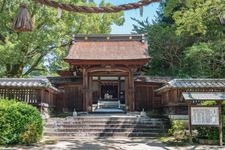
(205, 116)
(220, 124)
(190, 127)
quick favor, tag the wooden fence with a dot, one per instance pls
(146, 98)
(173, 102)
(29, 95)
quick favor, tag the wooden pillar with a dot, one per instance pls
(85, 89)
(64, 108)
(126, 94)
(42, 92)
(119, 88)
(99, 88)
(90, 94)
(220, 124)
(167, 97)
(48, 98)
(189, 123)
(130, 90)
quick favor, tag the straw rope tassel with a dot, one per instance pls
(23, 21)
(141, 11)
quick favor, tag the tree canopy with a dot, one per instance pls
(186, 39)
(41, 51)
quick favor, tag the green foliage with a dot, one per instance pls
(30, 135)
(198, 17)
(208, 103)
(166, 49)
(186, 39)
(19, 123)
(42, 50)
(171, 6)
(199, 55)
(210, 133)
(178, 130)
(177, 134)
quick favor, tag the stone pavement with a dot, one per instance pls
(110, 144)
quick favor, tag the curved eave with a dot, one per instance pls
(167, 88)
(141, 61)
(163, 89)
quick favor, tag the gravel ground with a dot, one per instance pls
(110, 144)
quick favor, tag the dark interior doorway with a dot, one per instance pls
(110, 89)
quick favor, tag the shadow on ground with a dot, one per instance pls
(111, 144)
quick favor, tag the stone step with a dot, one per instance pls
(97, 134)
(99, 118)
(70, 119)
(94, 119)
(100, 126)
(106, 118)
(105, 130)
(106, 122)
(80, 126)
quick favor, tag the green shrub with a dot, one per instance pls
(178, 130)
(19, 123)
(210, 133)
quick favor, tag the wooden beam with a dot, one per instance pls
(77, 62)
(109, 73)
(117, 68)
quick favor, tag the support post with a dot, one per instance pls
(190, 127)
(41, 100)
(85, 89)
(126, 94)
(130, 90)
(90, 94)
(220, 125)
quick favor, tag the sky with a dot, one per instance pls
(126, 28)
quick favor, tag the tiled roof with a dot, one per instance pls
(27, 82)
(203, 95)
(155, 79)
(108, 50)
(109, 37)
(194, 83)
(64, 80)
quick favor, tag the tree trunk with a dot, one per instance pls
(14, 70)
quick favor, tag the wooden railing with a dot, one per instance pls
(30, 96)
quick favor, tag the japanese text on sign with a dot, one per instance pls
(204, 116)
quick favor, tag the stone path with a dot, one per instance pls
(111, 144)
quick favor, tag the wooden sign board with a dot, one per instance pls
(205, 116)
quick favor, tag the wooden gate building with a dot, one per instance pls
(107, 69)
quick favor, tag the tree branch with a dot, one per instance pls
(34, 64)
(2, 38)
(3, 5)
(41, 56)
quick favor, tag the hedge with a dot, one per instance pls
(19, 123)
